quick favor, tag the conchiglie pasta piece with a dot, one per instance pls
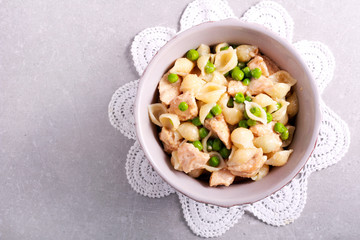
(268, 143)
(189, 131)
(232, 115)
(279, 158)
(204, 110)
(280, 114)
(278, 90)
(293, 107)
(219, 78)
(169, 120)
(264, 170)
(283, 77)
(192, 83)
(242, 138)
(246, 52)
(219, 46)
(182, 67)
(263, 100)
(262, 118)
(210, 92)
(196, 173)
(221, 165)
(175, 161)
(225, 60)
(155, 110)
(201, 63)
(288, 141)
(203, 50)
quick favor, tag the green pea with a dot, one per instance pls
(217, 144)
(209, 67)
(247, 72)
(246, 81)
(224, 48)
(248, 98)
(172, 77)
(251, 122)
(216, 110)
(256, 111)
(227, 74)
(245, 115)
(192, 55)
(209, 144)
(183, 106)
(265, 109)
(196, 121)
(224, 152)
(203, 132)
(198, 145)
(237, 74)
(230, 103)
(241, 65)
(209, 115)
(214, 161)
(239, 97)
(269, 117)
(256, 73)
(285, 135)
(279, 127)
(278, 106)
(243, 123)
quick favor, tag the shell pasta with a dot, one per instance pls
(226, 113)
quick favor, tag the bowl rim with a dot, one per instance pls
(284, 42)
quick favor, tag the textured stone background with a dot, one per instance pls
(62, 172)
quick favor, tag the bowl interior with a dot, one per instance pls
(279, 50)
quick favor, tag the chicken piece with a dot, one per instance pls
(258, 62)
(246, 162)
(191, 158)
(168, 91)
(258, 86)
(262, 129)
(218, 126)
(192, 110)
(171, 139)
(236, 86)
(221, 177)
(271, 65)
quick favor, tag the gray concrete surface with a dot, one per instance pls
(62, 170)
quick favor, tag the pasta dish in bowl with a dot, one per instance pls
(216, 112)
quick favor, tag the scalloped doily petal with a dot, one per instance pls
(333, 141)
(207, 220)
(319, 59)
(142, 177)
(200, 11)
(121, 109)
(284, 206)
(273, 16)
(147, 43)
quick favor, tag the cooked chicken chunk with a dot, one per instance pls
(246, 162)
(171, 139)
(218, 126)
(192, 110)
(236, 86)
(191, 158)
(258, 62)
(271, 65)
(221, 177)
(258, 86)
(262, 129)
(168, 91)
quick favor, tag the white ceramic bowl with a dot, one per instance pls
(236, 32)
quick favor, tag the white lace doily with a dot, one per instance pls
(284, 206)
